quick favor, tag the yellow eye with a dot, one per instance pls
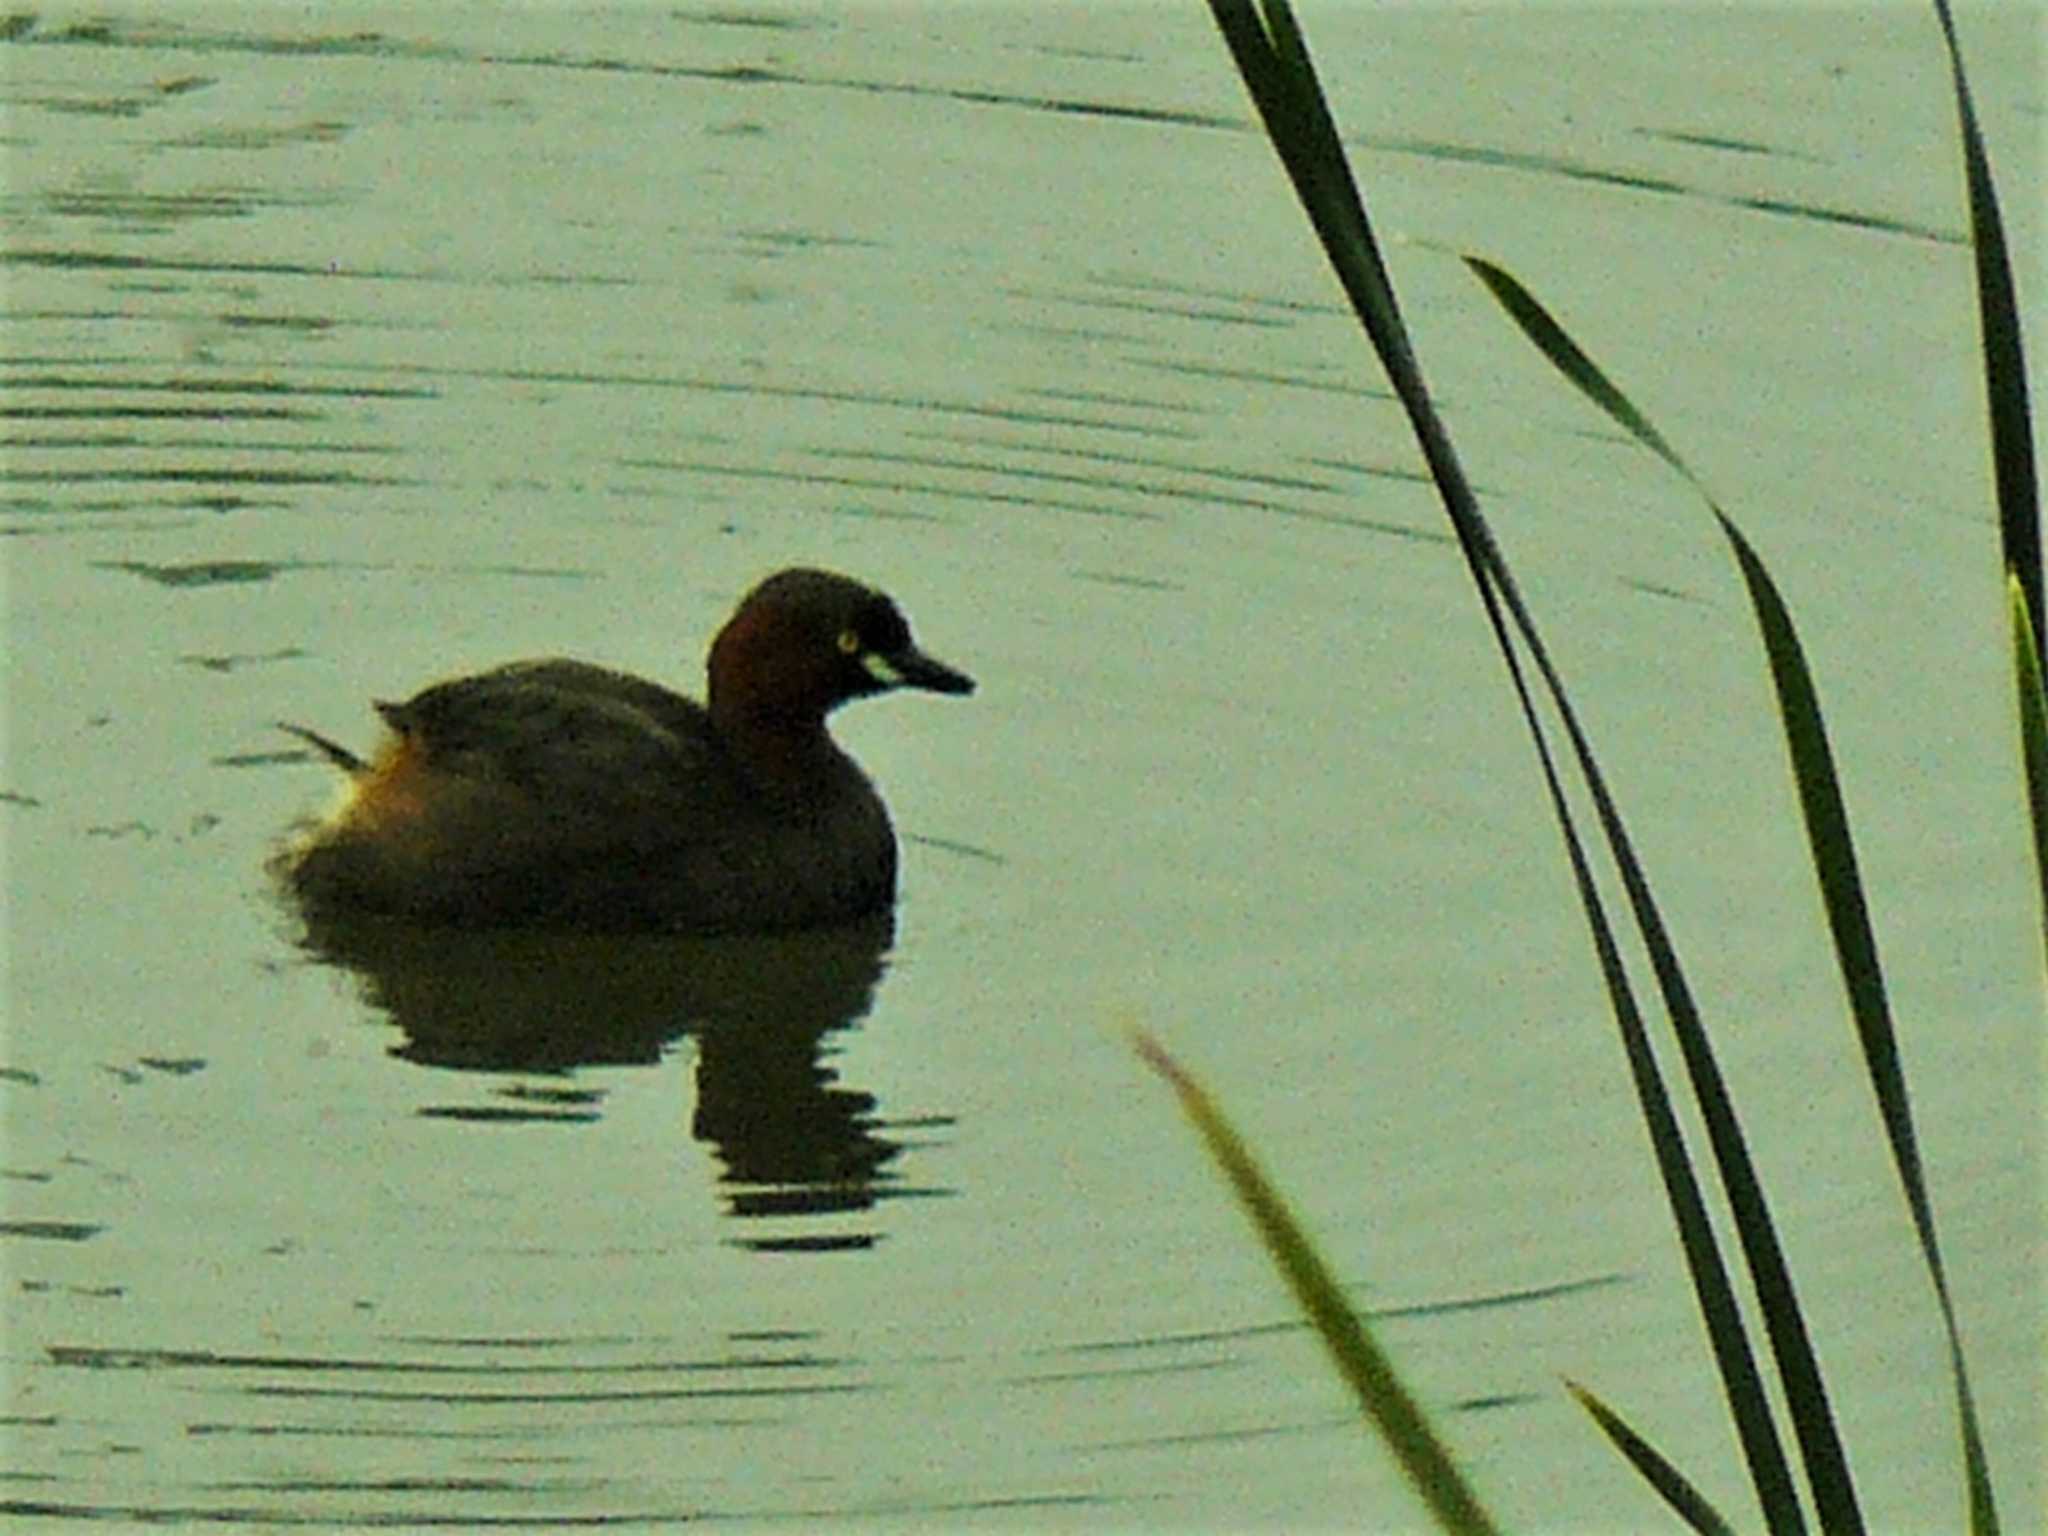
(849, 642)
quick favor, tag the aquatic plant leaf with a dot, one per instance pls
(2019, 532)
(1834, 858)
(1687, 1501)
(1273, 59)
(2005, 367)
(1277, 73)
(1387, 1402)
(2026, 658)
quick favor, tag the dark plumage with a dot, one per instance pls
(560, 793)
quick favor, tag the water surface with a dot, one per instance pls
(348, 349)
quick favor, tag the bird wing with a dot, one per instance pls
(602, 757)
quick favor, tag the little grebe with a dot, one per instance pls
(557, 793)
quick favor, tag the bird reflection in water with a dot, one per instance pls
(761, 1007)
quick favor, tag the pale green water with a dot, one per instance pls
(460, 335)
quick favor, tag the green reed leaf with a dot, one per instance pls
(1686, 1501)
(2019, 531)
(1278, 74)
(2005, 367)
(1834, 858)
(2033, 713)
(1387, 1403)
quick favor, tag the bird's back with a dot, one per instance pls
(559, 791)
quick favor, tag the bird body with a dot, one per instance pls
(557, 792)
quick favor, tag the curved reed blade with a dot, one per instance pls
(2026, 657)
(1727, 1336)
(1274, 62)
(2019, 531)
(1834, 858)
(2005, 367)
(1281, 79)
(1686, 1501)
(1388, 1404)
(2012, 433)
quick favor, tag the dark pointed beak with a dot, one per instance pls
(911, 668)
